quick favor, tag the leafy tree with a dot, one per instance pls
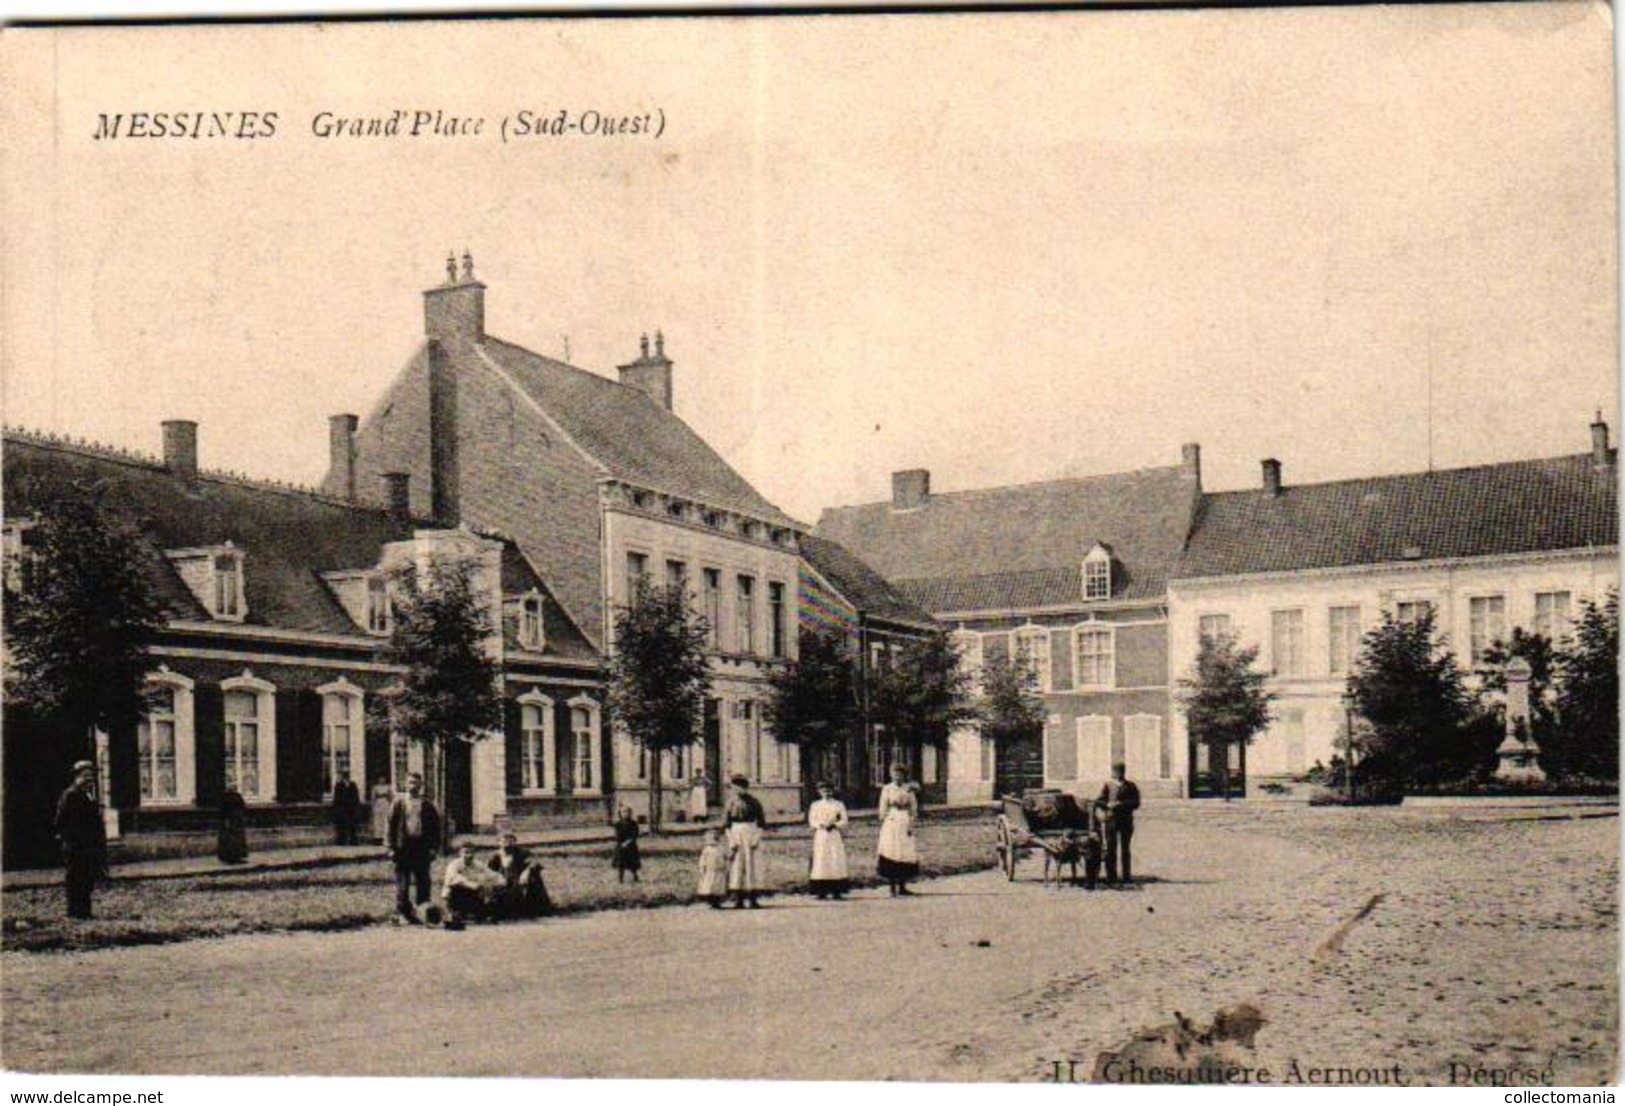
(77, 629)
(814, 702)
(1010, 706)
(659, 676)
(1423, 726)
(451, 689)
(1588, 691)
(1224, 700)
(923, 695)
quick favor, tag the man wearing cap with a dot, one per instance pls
(743, 821)
(83, 836)
(1118, 801)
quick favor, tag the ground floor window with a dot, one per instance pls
(584, 736)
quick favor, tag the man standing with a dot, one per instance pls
(1120, 799)
(414, 838)
(83, 836)
(346, 809)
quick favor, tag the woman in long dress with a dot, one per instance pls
(743, 820)
(827, 817)
(383, 801)
(898, 856)
(626, 857)
(699, 799)
(231, 844)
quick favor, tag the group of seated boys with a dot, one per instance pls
(507, 885)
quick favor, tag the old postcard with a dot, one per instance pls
(1024, 547)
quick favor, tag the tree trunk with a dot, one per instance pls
(438, 753)
(655, 788)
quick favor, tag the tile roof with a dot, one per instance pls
(633, 437)
(288, 536)
(1513, 507)
(859, 584)
(1023, 546)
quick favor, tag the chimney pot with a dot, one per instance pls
(455, 309)
(1599, 442)
(398, 493)
(341, 451)
(910, 489)
(650, 375)
(1190, 454)
(1272, 477)
(180, 448)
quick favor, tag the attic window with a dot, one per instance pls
(1097, 574)
(640, 499)
(531, 633)
(713, 519)
(676, 509)
(227, 593)
(748, 528)
(380, 612)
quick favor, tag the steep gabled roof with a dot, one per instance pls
(1509, 508)
(289, 537)
(633, 437)
(1023, 546)
(859, 584)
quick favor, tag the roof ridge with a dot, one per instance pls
(556, 363)
(1049, 482)
(1413, 474)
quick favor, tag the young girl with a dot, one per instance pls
(626, 858)
(713, 870)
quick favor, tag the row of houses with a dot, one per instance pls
(566, 487)
(1107, 585)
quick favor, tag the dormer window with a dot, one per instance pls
(380, 612)
(214, 576)
(228, 586)
(531, 633)
(1097, 573)
(677, 509)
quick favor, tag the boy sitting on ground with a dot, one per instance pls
(469, 890)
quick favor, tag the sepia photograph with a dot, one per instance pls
(1066, 546)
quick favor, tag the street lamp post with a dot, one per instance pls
(1348, 745)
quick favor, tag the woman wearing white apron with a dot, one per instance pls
(827, 817)
(743, 821)
(699, 800)
(899, 858)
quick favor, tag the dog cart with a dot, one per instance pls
(1040, 819)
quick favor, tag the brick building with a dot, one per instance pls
(277, 600)
(1071, 574)
(1302, 572)
(599, 482)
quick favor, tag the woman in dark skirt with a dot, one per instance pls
(898, 859)
(626, 858)
(232, 844)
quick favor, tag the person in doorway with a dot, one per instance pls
(83, 837)
(898, 854)
(346, 809)
(231, 840)
(743, 821)
(414, 839)
(1119, 799)
(827, 817)
(626, 857)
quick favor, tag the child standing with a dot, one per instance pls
(713, 870)
(626, 858)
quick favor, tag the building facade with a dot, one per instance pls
(1070, 576)
(1302, 573)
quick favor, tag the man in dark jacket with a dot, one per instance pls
(346, 809)
(414, 839)
(523, 893)
(1118, 801)
(83, 835)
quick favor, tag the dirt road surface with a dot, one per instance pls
(1367, 940)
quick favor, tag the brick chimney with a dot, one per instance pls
(910, 489)
(341, 454)
(398, 493)
(1190, 457)
(456, 309)
(1600, 454)
(180, 448)
(1272, 477)
(650, 373)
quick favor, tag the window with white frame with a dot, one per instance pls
(1286, 643)
(1096, 660)
(1552, 614)
(1412, 611)
(1146, 751)
(532, 634)
(777, 647)
(227, 593)
(637, 570)
(1032, 650)
(584, 730)
(745, 615)
(1095, 751)
(677, 575)
(1212, 627)
(400, 760)
(343, 734)
(535, 742)
(250, 737)
(713, 607)
(1486, 623)
(380, 611)
(1342, 639)
(1097, 575)
(968, 644)
(167, 773)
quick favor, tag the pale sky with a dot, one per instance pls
(1003, 248)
